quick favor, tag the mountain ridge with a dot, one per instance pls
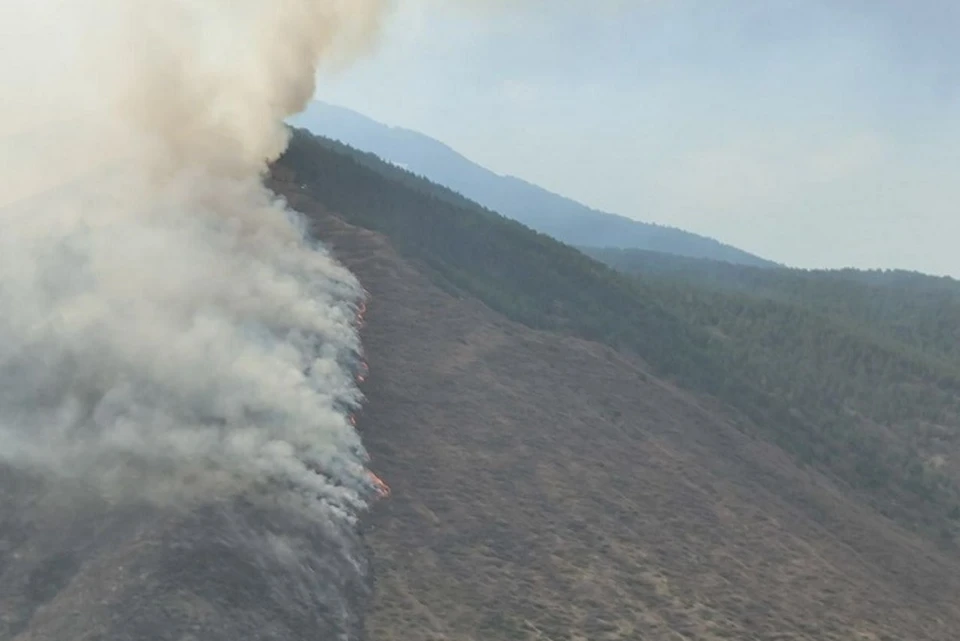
(558, 216)
(547, 486)
(558, 469)
(836, 396)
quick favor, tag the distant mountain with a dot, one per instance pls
(547, 212)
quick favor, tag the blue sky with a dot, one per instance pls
(820, 133)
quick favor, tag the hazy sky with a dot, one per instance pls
(812, 132)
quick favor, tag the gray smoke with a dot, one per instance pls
(167, 330)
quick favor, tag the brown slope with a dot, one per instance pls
(549, 488)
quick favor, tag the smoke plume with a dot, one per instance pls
(167, 330)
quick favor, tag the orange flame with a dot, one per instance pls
(361, 312)
(362, 374)
(383, 490)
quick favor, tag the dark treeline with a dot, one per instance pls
(914, 309)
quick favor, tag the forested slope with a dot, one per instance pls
(877, 414)
(915, 309)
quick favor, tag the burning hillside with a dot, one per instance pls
(177, 354)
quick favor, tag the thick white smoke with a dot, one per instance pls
(166, 329)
